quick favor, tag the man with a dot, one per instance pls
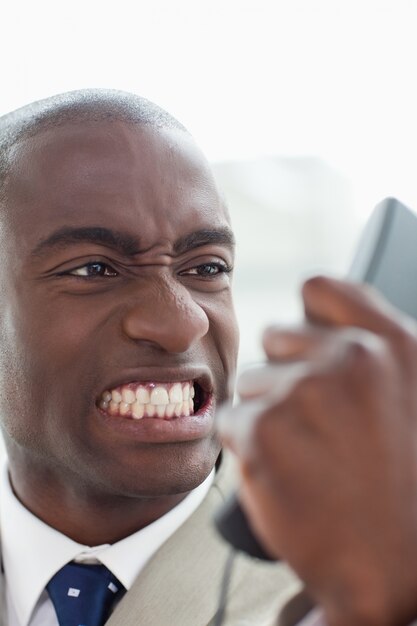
(330, 466)
(118, 342)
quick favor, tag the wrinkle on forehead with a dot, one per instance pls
(77, 155)
(115, 175)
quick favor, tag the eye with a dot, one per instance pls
(207, 270)
(93, 270)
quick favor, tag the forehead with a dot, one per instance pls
(112, 174)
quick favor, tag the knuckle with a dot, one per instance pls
(365, 349)
(359, 354)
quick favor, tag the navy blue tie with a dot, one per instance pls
(83, 595)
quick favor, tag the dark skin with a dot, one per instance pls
(330, 476)
(92, 311)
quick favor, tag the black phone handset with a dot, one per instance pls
(386, 258)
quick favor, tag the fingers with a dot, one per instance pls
(260, 388)
(332, 302)
(349, 329)
(327, 447)
(330, 305)
(269, 378)
(285, 345)
(235, 425)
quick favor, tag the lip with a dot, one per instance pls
(159, 431)
(200, 375)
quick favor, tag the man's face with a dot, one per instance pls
(114, 288)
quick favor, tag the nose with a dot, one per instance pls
(165, 314)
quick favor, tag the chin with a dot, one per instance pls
(170, 470)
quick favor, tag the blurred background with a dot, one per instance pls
(307, 110)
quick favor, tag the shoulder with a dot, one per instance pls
(259, 591)
(188, 570)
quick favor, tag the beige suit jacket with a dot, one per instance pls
(181, 584)
(2, 597)
(299, 607)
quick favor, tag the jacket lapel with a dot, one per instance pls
(2, 601)
(182, 581)
(2, 592)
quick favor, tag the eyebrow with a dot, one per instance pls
(127, 244)
(221, 236)
(64, 237)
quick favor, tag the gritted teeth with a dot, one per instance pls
(160, 400)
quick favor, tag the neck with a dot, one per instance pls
(86, 515)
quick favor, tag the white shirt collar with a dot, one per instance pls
(33, 551)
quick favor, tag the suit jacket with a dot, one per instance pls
(181, 584)
(299, 607)
(2, 596)
(296, 609)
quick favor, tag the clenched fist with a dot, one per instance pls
(327, 439)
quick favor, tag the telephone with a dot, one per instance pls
(386, 258)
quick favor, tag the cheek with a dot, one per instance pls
(40, 364)
(60, 332)
(228, 332)
(225, 334)
(23, 387)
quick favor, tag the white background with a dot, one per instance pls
(308, 106)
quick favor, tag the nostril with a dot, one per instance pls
(172, 329)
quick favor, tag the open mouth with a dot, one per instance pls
(138, 400)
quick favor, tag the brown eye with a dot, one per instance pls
(93, 270)
(207, 270)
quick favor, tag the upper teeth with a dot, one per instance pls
(140, 400)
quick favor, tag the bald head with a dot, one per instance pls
(87, 105)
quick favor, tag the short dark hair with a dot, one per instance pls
(74, 106)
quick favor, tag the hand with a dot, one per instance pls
(330, 470)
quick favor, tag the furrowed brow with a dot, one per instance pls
(199, 238)
(123, 242)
